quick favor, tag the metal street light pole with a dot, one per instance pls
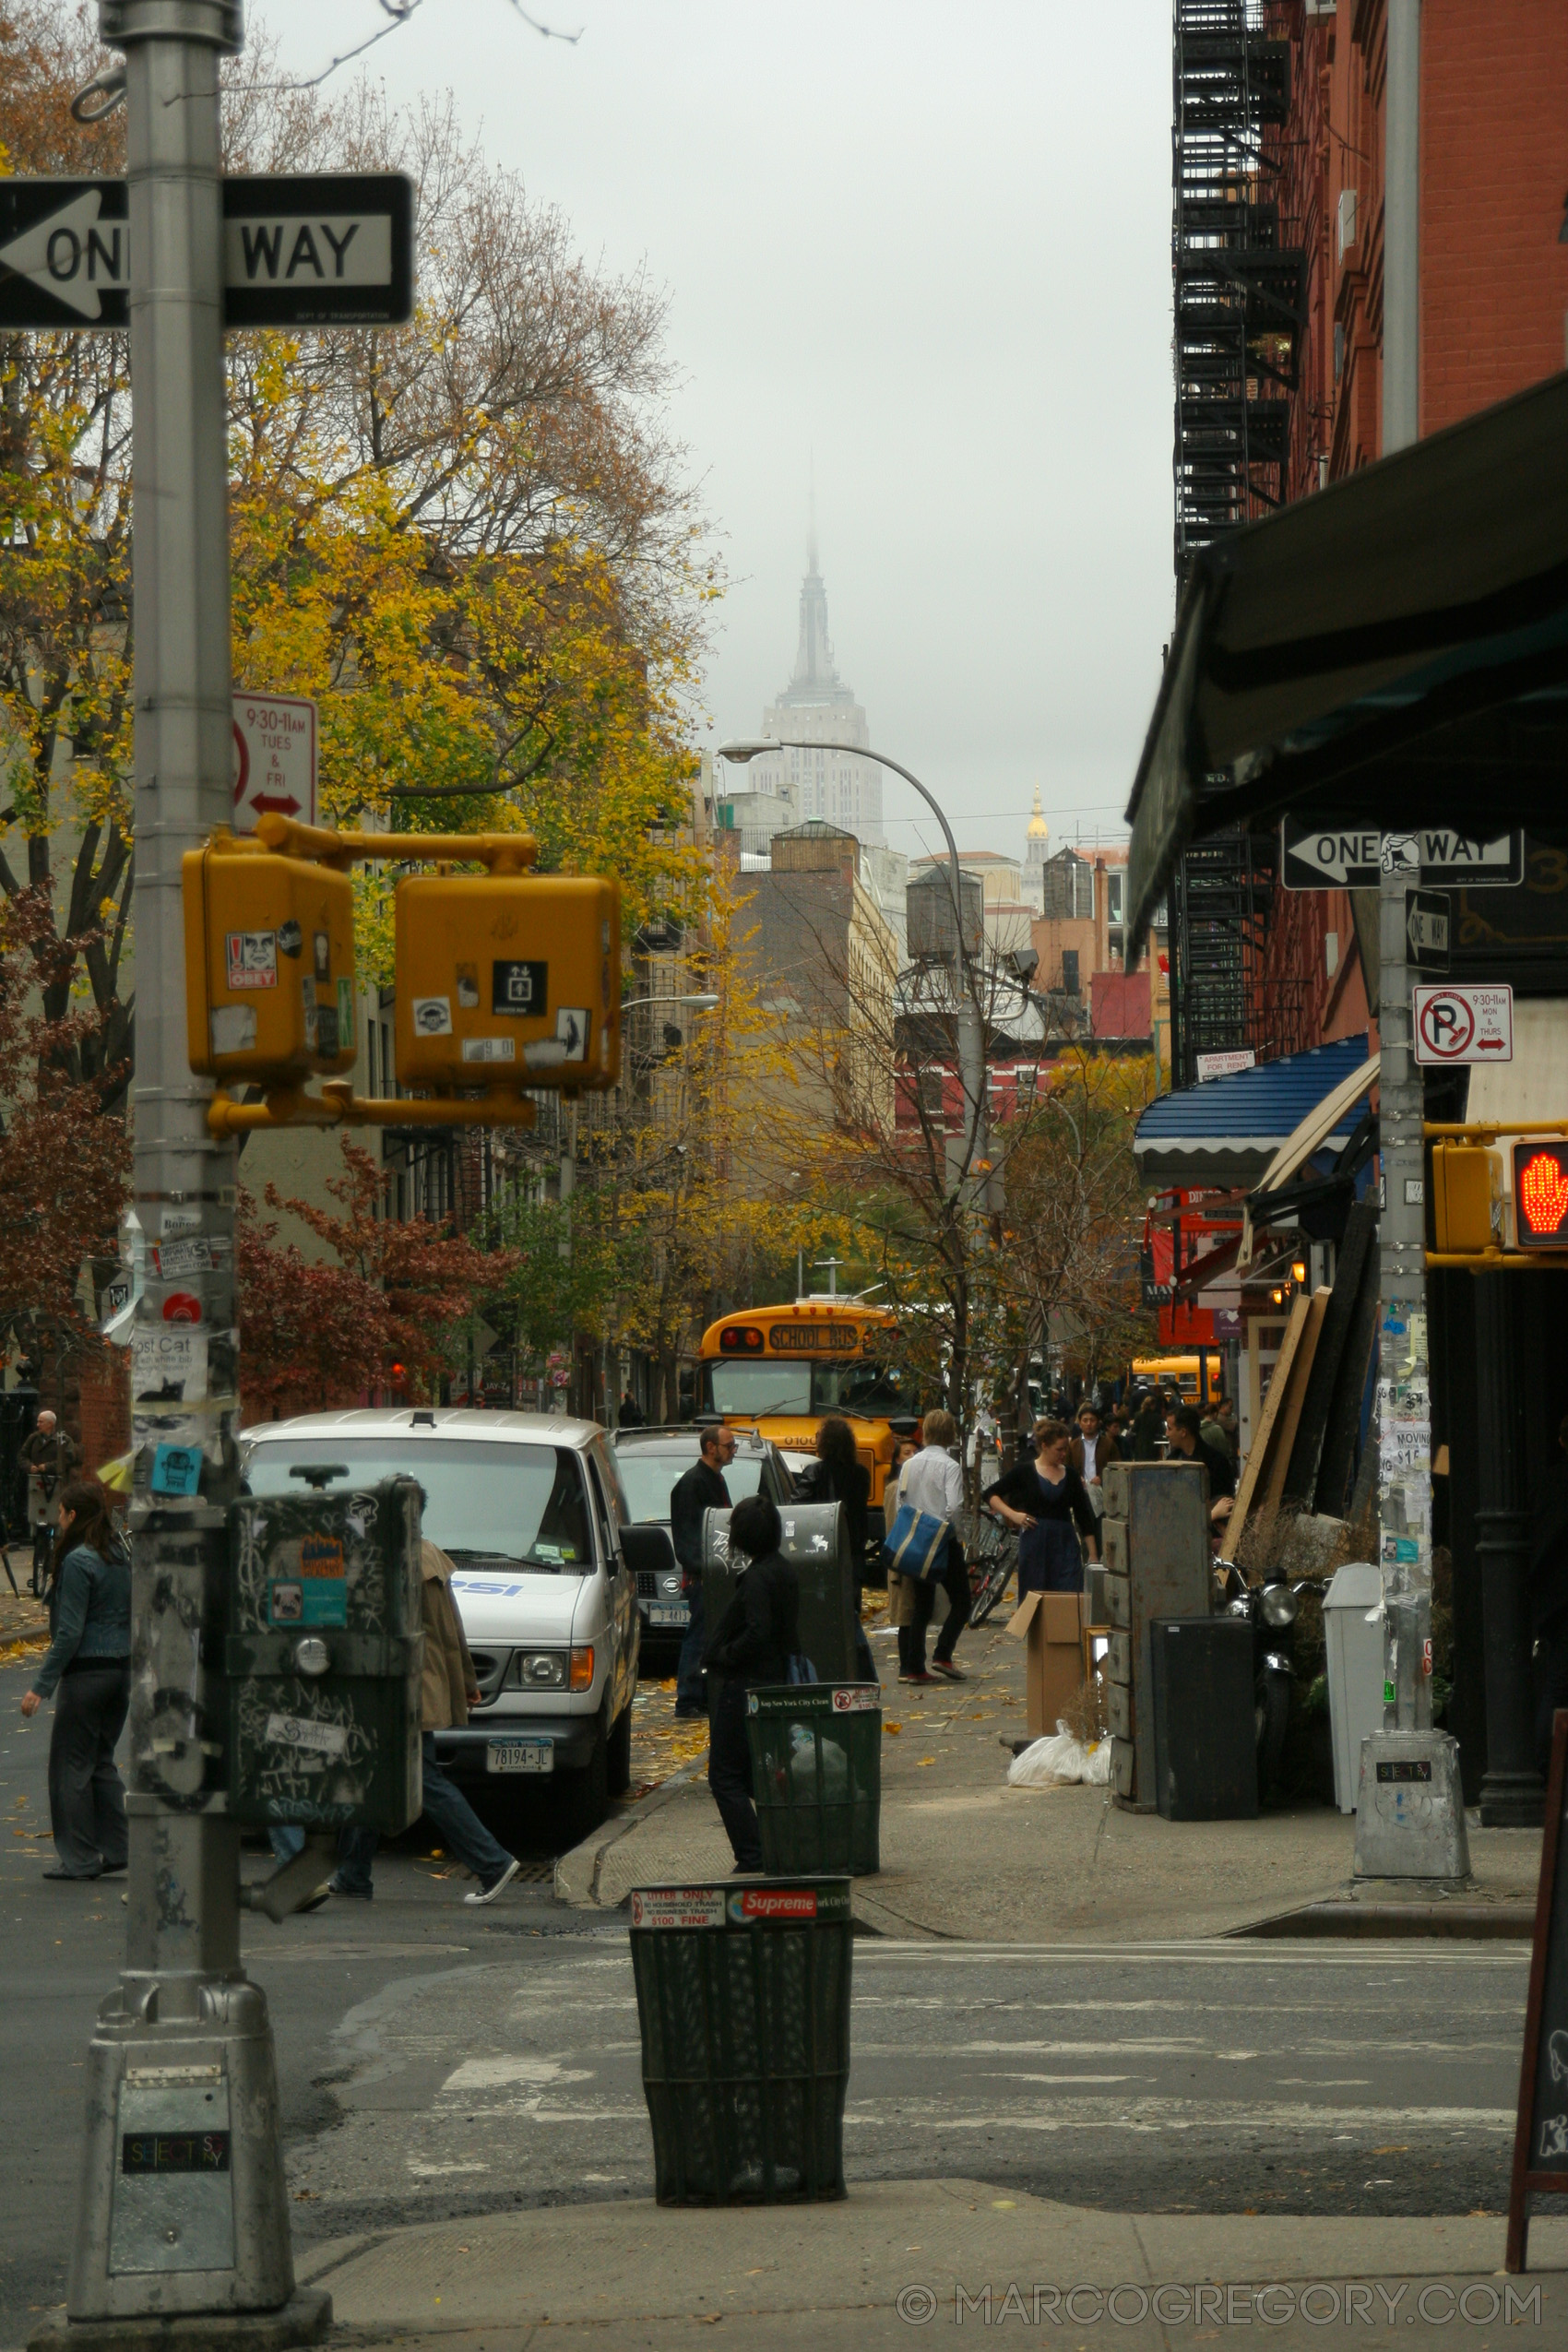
(971, 1041)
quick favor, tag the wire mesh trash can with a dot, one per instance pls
(816, 1775)
(743, 2002)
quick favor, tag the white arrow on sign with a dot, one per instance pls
(71, 256)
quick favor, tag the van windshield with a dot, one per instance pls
(487, 1505)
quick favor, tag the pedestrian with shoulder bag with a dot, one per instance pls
(87, 1671)
(925, 1549)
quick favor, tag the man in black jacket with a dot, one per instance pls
(752, 1645)
(1184, 1428)
(699, 1490)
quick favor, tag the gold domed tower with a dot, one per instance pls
(1035, 857)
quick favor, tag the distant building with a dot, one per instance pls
(1079, 935)
(831, 785)
(1007, 912)
(1035, 857)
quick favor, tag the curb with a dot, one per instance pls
(1471, 1921)
(575, 1878)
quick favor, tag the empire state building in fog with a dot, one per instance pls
(816, 707)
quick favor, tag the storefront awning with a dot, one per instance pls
(1230, 1132)
(1394, 647)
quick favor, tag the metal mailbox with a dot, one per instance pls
(322, 1658)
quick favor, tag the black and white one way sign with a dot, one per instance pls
(322, 249)
(1355, 856)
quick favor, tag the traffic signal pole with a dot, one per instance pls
(183, 2206)
(1410, 1814)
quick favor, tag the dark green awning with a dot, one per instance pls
(1395, 648)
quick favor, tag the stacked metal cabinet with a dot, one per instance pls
(1157, 1558)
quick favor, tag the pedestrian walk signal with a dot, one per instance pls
(1540, 1195)
(270, 965)
(507, 980)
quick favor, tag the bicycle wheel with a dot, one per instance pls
(987, 1585)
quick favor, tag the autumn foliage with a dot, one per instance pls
(64, 1165)
(371, 1316)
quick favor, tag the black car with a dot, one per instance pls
(651, 1461)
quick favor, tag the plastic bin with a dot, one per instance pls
(743, 2003)
(816, 1775)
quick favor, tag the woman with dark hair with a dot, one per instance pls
(1046, 1500)
(88, 1673)
(752, 1645)
(838, 1475)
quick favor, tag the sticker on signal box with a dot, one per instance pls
(857, 1698)
(678, 1906)
(252, 957)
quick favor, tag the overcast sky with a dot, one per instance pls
(924, 248)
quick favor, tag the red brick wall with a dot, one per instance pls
(104, 1406)
(1495, 175)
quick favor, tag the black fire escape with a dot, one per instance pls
(1239, 292)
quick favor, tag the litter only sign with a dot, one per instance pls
(1356, 856)
(1463, 1024)
(312, 249)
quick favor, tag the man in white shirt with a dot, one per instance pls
(933, 1483)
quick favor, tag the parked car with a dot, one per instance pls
(530, 1509)
(650, 1461)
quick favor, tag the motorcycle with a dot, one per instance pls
(1271, 1609)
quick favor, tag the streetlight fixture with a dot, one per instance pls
(704, 1001)
(971, 1045)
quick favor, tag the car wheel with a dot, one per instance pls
(586, 1795)
(619, 1755)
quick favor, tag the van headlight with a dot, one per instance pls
(539, 1670)
(1280, 1606)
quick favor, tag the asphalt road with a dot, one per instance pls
(438, 2061)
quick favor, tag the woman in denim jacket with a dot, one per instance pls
(88, 1673)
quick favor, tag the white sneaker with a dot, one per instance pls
(488, 1894)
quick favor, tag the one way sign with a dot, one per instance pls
(1355, 856)
(322, 249)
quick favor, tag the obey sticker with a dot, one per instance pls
(765, 1903)
(677, 1906)
(253, 958)
(859, 1698)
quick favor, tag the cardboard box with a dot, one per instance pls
(1051, 1624)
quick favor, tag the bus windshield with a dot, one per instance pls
(805, 1388)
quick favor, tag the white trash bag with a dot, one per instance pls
(1062, 1758)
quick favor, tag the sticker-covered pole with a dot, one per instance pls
(184, 2204)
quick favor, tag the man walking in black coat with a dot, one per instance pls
(1187, 1444)
(752, 1646)
(699, 1490)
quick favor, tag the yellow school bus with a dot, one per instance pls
(782, 1370)
(1199, 1377)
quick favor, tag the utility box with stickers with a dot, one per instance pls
(322, 1658)
(508, 978)
(270, 964)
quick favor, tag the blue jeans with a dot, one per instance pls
(689, 1688)
(448, 1812)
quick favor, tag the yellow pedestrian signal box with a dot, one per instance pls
(1466, 1195)
(270, 964)
(508, 978)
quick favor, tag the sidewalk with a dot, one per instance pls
(963, 1855)
(628, 2273)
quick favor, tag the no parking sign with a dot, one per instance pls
(1463, 1024)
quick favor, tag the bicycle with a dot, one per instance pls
(991, 1554)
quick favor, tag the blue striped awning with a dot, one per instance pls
(1227, 1131)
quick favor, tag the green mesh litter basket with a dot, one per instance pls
(743, 2002)
(816, 1775)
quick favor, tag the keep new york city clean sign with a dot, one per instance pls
(318, 249)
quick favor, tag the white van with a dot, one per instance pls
(531, 1509)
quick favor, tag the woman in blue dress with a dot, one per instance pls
(1048, 1503)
